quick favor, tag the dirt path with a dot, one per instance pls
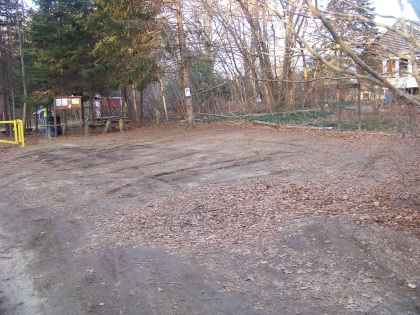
(221, 219)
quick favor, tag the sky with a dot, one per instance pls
(383, 7)
(392, 7)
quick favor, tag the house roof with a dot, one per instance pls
(395, 43)
(39, 111)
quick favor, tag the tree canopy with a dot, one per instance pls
(59, 46)
(240, 54)
(127, 39)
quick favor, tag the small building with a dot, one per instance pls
(393, 58)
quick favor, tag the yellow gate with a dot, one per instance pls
(17, 131)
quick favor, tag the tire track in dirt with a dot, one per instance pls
(91, 229)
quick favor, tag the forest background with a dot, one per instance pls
(205, 59)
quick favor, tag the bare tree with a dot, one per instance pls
(369, 73)
(184, 64)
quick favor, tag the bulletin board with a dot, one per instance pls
(68, 102)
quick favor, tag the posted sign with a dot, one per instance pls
(68, 102)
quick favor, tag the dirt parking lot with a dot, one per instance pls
(227, 218)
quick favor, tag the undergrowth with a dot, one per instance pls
(389, 119)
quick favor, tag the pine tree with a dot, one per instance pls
(345, 16)
(10, 67)
(127, 39)
(59, 47)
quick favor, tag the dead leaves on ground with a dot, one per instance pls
(252, 212)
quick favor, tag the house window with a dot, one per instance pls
(403, 67)
(391, 68)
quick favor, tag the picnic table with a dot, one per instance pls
(106, 122)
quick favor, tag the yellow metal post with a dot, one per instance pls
(17, 131)
(20, 132)
(121, 123)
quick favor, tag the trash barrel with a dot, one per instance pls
(51, 123)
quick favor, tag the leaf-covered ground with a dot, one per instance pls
(227, 218)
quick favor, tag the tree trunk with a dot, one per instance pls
(134, 95)
(91, 115)
(157, 113)
(162, 93)
(262, 52)
(184, 65)
(124, 110)
(22, 61)
(339, 94)
(305, 72)
(6, 113)
(288, 68)
(141, 107)
(6, 98)
(359, 107)
(290, 18)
